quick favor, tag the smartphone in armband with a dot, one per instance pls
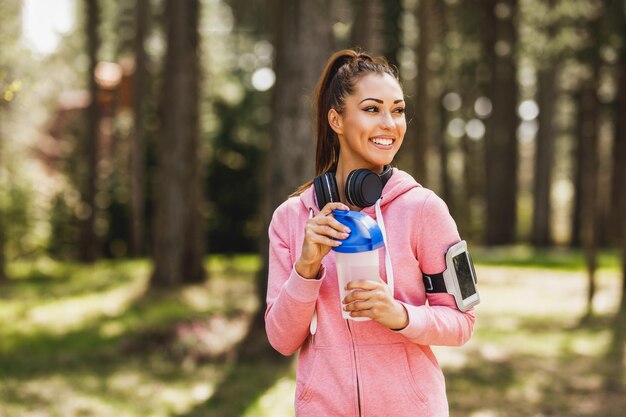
(459, 278)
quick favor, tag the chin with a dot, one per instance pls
(378, 161)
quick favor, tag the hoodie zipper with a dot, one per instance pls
(356, 370)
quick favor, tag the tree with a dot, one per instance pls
(178, 232)
(615, 355)
(589, 161)
(368, 24)
(425, 108)
(391, 30)
(588, 143)
(89, 239)
(137, 169)
(304, 41)
(544, 153)
(500, 139)
(618, 197)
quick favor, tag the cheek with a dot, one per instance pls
(401, 126)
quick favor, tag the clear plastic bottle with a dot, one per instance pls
(357, 257)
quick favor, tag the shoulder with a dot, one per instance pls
(424, 200)
(287, 208)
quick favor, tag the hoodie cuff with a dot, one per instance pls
(417, 320)
(302, 289)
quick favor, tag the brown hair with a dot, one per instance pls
(343, 69)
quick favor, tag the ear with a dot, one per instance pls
(335, 121)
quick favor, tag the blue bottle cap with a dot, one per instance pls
(365, 234)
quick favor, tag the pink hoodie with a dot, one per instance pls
(362, 368)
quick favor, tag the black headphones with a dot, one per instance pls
(363, 187)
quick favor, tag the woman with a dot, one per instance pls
(384, 366)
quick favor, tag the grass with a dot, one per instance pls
(83, 340)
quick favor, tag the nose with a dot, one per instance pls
(386, 120)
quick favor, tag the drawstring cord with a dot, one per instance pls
(313, 325)
(388, 268)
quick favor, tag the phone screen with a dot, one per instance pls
(464, 274)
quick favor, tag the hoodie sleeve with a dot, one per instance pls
(290, 297)
(440, 322)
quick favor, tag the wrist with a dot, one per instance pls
(308, 270)
(403, 318)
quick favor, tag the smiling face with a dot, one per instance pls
(372, 124)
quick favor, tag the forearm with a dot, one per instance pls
(441, 324)
(288, 316)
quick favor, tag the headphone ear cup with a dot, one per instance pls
(363, 188)
(325, 189)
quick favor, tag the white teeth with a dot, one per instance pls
(380, 141)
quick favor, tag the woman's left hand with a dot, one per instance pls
(372, 299)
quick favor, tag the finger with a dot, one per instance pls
(328, 208)
(330, 221)
(313, 230)
(357, 295)
(329, 232)
(362, 313)
(323, 240)
(359, 306)
(364, 284)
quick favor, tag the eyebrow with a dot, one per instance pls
(379, 100)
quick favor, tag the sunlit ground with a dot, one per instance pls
(91, 341)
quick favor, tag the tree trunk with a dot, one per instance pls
(178, 246)
(500, 139)
(618, 196)
(589, 168)
(577, 157)
(615, 357)
(589, 172)
(440, 120)
(304, 42)
(445, 188)
(89, 239)
(391, 30)
(544, 157)
(425, 109)
(137, 168)
(367, 27)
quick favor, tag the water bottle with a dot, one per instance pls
(357, 257)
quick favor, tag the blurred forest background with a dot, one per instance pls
(145, 144)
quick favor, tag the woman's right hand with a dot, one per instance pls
(319, 238)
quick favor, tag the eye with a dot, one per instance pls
(371, 109)
(400, 110)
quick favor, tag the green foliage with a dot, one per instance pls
(234, 177)
(65, 232)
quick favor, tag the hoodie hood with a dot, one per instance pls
(399, 183)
